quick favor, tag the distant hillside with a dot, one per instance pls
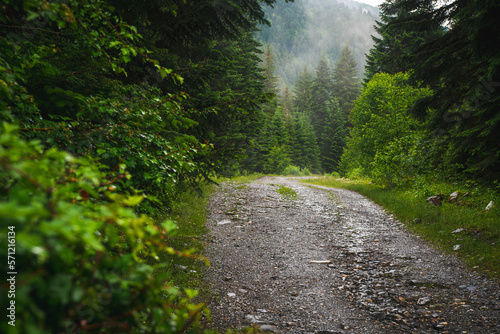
(305, 30)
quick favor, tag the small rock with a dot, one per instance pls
(441, 325)
(453, 197)
(224, 222)
(270, 329)
(423, 300)
(320, 261)
(417, 221)
(458, 230)
(178, 266)
(456, 247)
(254, 320)
(231, 294)
(435, 200)
(261, 310)
(489, 206)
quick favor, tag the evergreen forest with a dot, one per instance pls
(111, 109)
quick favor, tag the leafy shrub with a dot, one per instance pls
(277, 160)
(399, 161)
(383, 130)
(305, 171)
(292, 170)
(355, 174)
(85, 260)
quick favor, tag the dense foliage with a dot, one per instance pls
(453, 49)
(108, 109)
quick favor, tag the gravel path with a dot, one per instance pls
(332, 261)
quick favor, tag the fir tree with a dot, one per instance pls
(334, 137)
(270, 81)
(346, 84)
(396, 40)
(308, 147)
(322, 94)
(303, 91)
(287, 102)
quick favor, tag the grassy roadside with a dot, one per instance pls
(189, 213)
(467, 230)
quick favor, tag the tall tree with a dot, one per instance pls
(303, 91)
(271, 80)
(322, 87)
(308, 145)
(346, 83)
(287, 102)
(334, 137)
(461, 62)
(403, 28)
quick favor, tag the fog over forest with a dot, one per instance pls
(304, 31)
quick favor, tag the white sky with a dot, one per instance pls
(374, 3)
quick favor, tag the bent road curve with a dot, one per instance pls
(332, 261)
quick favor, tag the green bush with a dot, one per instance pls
(85, 260)
(305, 171)
(292, 170)
(355, 174)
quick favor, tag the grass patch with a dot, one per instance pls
(189, 213)
(479, 240)
(287, 193)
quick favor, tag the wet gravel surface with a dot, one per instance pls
(332, 261)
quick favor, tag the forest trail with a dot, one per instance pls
(332, 261)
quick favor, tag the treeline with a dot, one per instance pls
(305, 31)
(108, 110)
(303, 129)
(429, 108)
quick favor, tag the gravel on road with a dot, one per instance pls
(332, 261)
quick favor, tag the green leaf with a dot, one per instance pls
(133, 200)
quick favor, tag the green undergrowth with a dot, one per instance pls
(189, 214)
(477, 241)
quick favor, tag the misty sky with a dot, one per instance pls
(372, 2)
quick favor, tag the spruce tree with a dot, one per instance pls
(303, 91)
(308, 146)
(403, 29)
(270, 81)
(287, 102)
(322, 94)
(346, 83)
(334, 137)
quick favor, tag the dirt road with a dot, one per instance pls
(332, 261)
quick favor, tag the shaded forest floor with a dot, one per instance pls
(294, 258)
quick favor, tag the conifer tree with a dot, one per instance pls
(287, 102)
(346, 84)
(308, 147)
(396, 40)
(334, 137)
(322, 94)
(303, 91)
(270, 81)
